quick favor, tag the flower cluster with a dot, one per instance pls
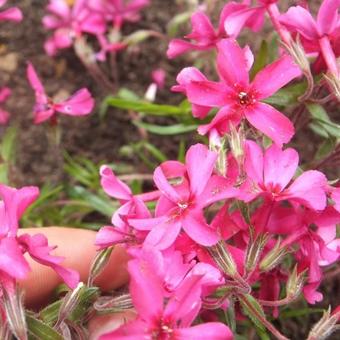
(238, 223)
(101, 19)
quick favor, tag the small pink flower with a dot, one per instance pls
(69, 23)
(318, 33)
(13, 265)
(181, 205)
(79, 104)
(10, 14)
(234, 16)
(236, 97)
(166, 316)
(270, 172)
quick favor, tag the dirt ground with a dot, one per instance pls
(89, 136)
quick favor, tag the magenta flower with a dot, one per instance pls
(69, 23)
(270, 172)
(119, 11)
(237, 98)
(79, 104)
(5, 92)
(234, 16)
(13, 265)
(318, 33)
(165, 318)
(181, 206)
(336, 198)
(131, 207)
(10, 14)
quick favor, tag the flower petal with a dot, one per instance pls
(275, 76)
(328, 18)
(271, 122)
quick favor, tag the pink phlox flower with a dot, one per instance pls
(319, 34)
(158, 77)
(131, 207)
(5, 92)
(70, 22)
(10, 14)
(270, 174)
(234, 16)
(165, 317)
(79, 104)
(119, 11)
(13, 265)
(236, 97)
(181, 205)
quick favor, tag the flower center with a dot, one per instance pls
(244, 98)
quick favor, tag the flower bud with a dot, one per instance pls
(236, 140)
(98, 264)
(325, 326)
(219, 145)
(15, 313)
(273, 257)
(297, 51)
(223, 259)
(295, 284)
(108, 304)
(69, 303)
(254, 251)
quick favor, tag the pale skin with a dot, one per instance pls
(77, 246)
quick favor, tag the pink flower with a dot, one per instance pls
(235, 97)
(70, 22)
(181, 206)
(336, 198)
(165, 317)
(318, 33)
(10, 14)
(5, 92)
(270, 172)
(79, 104)
(234, 16)
(13, 265)
(131, 207)
(119, 11)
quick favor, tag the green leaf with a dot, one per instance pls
(325, 148)
(41, 330)
(98, 203)
(252, 309)
(322, 121)
(288, 95)
(145, 107)
(260, 60)
(8, 144)
(294, 313)
(176, 21)
(127, 94)
(166, 130)
(155, 152)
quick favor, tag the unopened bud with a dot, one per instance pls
(295, 284)
(236, 141)
(297, 51)
(223, 258)
(69, 303)
(15, 313)
(218, 145)
(254, 251)
(98, 264)
(108, 304)
(273, 257)
(325, 326)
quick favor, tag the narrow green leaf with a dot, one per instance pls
(288, 95)
(147, 108)
(176, 22)
(261, 59)
(41, 330)
(252, 309)
(166, 130)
